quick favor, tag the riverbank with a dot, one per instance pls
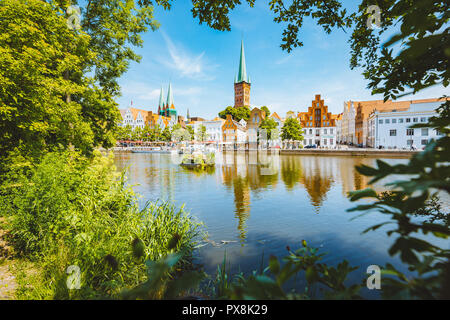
(325, 152)
(351, 152)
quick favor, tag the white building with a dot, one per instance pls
(391, 129)
(133, 117)
(214, 129)
(321, 136)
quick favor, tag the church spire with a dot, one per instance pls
(161, 102)
(242, 73)
(170, 104)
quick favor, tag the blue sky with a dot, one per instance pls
(201, 64)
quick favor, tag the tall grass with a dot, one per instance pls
(71, 210)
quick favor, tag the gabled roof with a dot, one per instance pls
(275, 115)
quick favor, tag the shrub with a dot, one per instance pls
(73, 210)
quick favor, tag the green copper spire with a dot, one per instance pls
(161, 102)
(242, 74)
(170, 104)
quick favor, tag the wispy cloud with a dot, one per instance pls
(187, 64)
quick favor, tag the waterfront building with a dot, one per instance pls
(277, 119)
(242, 83)
(338, 121)
(214, 131)
(233, 132)
(166, 116)
(318, 124)
(365, 108)
(391, 128)
(347, 124)
(256, 117)
(134, 117)
(197, 119)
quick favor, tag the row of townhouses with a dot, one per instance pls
(366, 123)
(379, 124)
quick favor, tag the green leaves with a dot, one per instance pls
(415, 196)
(291, 130)
(366, 193)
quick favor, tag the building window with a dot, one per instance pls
(400, 120)
(331, 141)
(415, 119)
(325, 131)
(438, 133)
(424, 131)
(331, 131)
(409, 132)
(380, 121)
(324, 117)
(310, 131)
(408, 120)
(394, 120)
(387, 121)
(424, 142)
(393, 133)
(409, 142)
(324, 142)
(423, 119)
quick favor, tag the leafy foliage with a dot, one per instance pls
(266, 110)
(426, 174)
(416, 56)
(292, 130)
(271, 128)
(70, 210)
(66, 96)
(237, 113)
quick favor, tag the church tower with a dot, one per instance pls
(170, 106)
(242, 83)
(161, 103)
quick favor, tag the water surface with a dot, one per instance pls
(258, 212)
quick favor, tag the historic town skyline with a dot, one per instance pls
(202, 63)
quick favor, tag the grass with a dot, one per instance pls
(75, 211)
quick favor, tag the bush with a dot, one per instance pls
(72, 210)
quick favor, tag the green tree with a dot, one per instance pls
(137, 134)
(66, 96)
(242, 113)
(270, 126)
(236, 113)
(190, 129)
(201, 133)
(266, 110)
(147, 133)
(291, 130)
(166, 134)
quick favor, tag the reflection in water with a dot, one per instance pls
(249, 175)
(263, 204)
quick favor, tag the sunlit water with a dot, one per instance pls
(303, 197)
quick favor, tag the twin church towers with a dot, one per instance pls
(242, 83)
